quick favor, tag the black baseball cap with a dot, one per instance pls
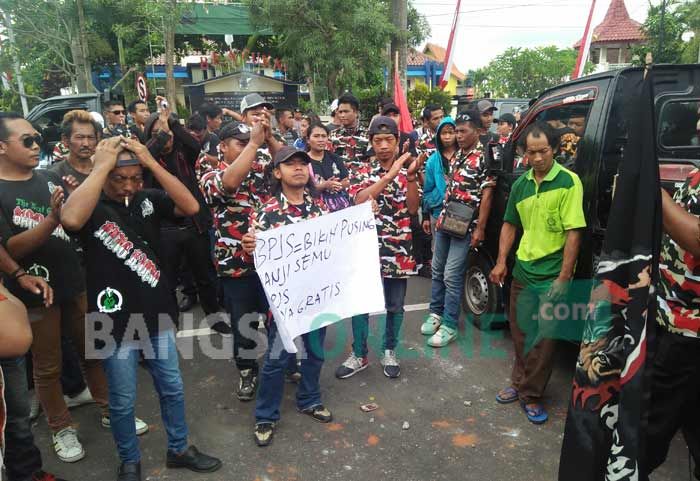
(510, 118)
(235, 130)
(390, 107)
(286, 153)
(383, 125)
(126, 162)
(472, 116)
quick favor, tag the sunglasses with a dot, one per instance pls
(27, 142)
(118, 112)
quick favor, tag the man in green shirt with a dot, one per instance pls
(547, 204)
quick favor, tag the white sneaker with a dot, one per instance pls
(84, 397)
(34, 407)
(391, 364)
(141, 425)
(67, 447)
(431, 324)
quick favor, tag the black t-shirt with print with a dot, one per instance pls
(24, 204)
(124, 275)
(330, 166)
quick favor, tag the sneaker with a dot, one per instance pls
(391, 364)
(247, 385)
(351, 366)
(34, 407)
(67, 447)
(318, 413)
(263, 433)
(222, 328)
(431, 324)
(129, 472)
(85, 397)
(442, 337)
(141, 426)
(194, 460)
(44, 476)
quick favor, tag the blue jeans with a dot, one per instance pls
(267, 404)
(394, 296)
(449, 269)
(22, 458)
(162, 363)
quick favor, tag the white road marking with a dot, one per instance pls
(207, 332)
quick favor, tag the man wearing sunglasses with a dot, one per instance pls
(115, 119)
(30, 230)
(118, 224)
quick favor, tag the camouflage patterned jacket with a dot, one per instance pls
(426, 143)
(467, 179)
(231, 212)
(277, 212)
(352, 145)
(679, 287)
(393, 220)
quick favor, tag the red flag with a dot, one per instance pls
(449, 55)
(400, 100)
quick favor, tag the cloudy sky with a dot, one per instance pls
(488, 27)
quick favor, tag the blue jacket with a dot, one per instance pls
(435, 184)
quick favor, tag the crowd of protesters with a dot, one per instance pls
(125, 213)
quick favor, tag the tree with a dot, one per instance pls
(665, 32)
(523, 72)
(421, 96)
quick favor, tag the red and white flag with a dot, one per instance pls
(406, 125)
(585, 46)
(449, 56)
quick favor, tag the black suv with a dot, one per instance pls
(606, 100)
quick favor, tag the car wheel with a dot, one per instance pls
(481, 296)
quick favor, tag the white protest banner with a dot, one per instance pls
(319, 271)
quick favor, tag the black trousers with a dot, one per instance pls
(22, 457)
(675, 399)
(186, 243)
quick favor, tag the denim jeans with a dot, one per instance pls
(267, 404)
(22, 457)
(449, 269)
(394, 296)
(244, 300)
(162, 363)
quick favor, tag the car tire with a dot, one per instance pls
(481, 297)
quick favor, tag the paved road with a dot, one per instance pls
(456, 429)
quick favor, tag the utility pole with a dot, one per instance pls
(399, 14)
(169, 32)
(84, 68)
(15, 63)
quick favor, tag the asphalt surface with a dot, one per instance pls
(445, 399)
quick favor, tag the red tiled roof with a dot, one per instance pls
(438, 53)
(617, 26)
(415, 58)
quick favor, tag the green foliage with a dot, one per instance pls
(680, 17)
(421, 96)
(418, 27)
(335, 43)
(523, 72)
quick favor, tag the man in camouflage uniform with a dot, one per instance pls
(290, 202)
(432, 116)
(350, 139)
(675, 386)
(233, 191)
(395, 189)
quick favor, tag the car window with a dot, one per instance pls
(679, 124)
(571, 120)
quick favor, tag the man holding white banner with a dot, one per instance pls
(309, 268)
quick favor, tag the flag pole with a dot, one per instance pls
(585, 46)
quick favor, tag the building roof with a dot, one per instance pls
(246, 72)
(617, 26)
(436, 52)
(415, 58)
